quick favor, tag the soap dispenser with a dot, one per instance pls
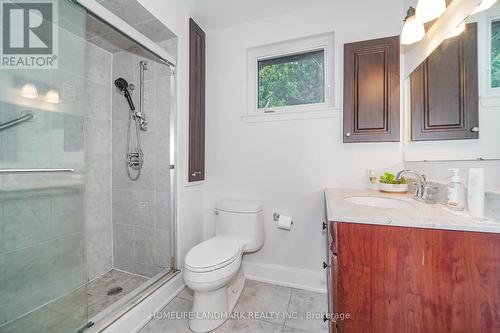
(456, 192)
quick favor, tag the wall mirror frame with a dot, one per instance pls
(447, 80)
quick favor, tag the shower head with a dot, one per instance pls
(122, 85)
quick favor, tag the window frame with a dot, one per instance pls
(485, 21)
(323, 42)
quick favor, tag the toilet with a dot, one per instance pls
(212, 269)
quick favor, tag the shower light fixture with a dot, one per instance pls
(413, 30)
(29, 91)
(484, 5)
(52, 96)
(428, 10)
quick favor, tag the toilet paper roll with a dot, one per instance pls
(285, 222)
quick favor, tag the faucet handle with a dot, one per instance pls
(428, 193)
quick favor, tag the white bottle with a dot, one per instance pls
(456, 192)
(475, 192)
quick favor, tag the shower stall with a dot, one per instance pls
(87, 177)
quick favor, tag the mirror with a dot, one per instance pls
(452, 99)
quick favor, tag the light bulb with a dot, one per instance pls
(428, 10)
(413, 31)
(457, 31)
(29, 91)
(484, 5)
(52, 96)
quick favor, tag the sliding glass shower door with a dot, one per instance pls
(42, 94)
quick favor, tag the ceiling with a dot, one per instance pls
(104, 36)
(219, 14)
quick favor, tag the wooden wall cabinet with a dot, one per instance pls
(371, 90)
(399, 279)
(444, 91)
(196, 164)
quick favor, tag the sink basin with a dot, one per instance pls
(381, 202)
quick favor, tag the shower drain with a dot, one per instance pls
(115, 291)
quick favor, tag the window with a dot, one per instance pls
(292, 80)
(291, 77)
(495, 54)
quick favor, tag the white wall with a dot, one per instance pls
(287, 164)
(175, 16)
(438, 171)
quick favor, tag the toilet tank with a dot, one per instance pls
(242, 219)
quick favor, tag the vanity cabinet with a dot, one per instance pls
(402, 279)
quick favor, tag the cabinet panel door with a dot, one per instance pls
(196, 167)
(444, 91)
(371, 90)
(380, 280)
(462, 281)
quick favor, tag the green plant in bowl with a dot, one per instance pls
(389, 178)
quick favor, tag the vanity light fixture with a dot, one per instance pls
(52, 96)
(29, 91)
(484, 5)
(413, 30)
(428, 10)
(457, 31)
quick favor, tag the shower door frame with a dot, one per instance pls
(120, 309)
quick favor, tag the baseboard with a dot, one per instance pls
(286, 276)
(140, 315)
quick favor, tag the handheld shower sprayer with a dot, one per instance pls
(122, 85)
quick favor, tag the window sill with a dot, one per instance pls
(291, 115)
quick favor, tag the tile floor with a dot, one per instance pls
(256, 297)
(97, 290)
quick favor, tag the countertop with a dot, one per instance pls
(419, 215)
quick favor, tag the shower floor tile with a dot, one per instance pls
(97, 290)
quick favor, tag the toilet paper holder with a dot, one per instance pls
(276, 217)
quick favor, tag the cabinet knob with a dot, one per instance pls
(474, 129)
(325, 265)
(325, 226)
(348, 134)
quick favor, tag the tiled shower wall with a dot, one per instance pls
(141, 214)
(99, 226)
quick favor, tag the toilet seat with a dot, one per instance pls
(212, 254)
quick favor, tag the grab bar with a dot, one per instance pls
(25, 116)
(15, 171)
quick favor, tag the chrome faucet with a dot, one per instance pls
(422, 192)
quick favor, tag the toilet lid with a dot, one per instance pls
(212, 254)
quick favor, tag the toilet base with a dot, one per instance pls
(211, 308)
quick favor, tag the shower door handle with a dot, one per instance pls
(17, 171)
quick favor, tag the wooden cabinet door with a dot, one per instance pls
(371, 90)
(380, 278)
(444, 91)
(461, 282)
(196, 167)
